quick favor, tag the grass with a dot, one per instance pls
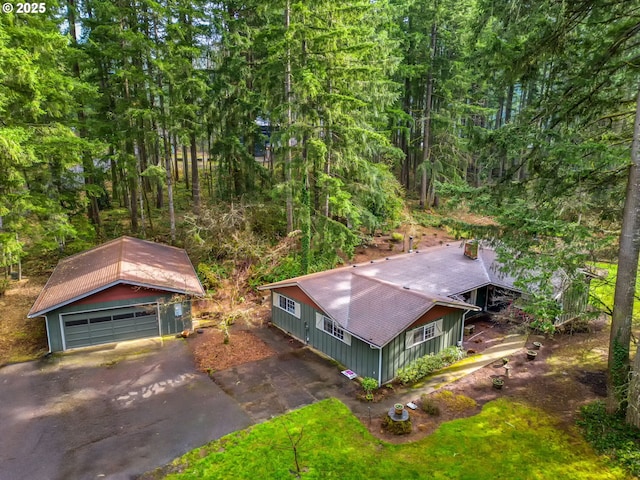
(602, 290)
(505, 441)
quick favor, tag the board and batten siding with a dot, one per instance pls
(395, 355)
(358, 356)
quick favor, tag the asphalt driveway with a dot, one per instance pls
(108, 414)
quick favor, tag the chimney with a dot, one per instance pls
(471, 249)
(410, 243)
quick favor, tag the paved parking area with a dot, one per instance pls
(108, 414)
(292, 379)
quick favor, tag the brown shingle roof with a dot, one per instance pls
(375, 301)
(123, 260)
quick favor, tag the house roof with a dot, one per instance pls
(377, 300)
(124, 260)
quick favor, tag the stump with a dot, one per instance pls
(397, 424)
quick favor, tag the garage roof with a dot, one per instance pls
(124, 260)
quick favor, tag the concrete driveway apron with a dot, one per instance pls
(83, 416)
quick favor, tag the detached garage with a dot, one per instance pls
(122, 290)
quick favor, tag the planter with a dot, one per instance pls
(398, 408)
(498, 383)
(537, 345)
(531, 354)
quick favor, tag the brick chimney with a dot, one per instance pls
(471, 249)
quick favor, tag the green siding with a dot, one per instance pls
(359, 356)
(395, 355)
(169, 322)
(292, 325)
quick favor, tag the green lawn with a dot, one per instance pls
(602, 290)
(505, 441)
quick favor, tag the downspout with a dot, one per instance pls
(46, 326)
(464, 317)
(379, 366)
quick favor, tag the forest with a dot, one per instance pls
(275, 137)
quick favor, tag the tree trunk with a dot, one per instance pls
(288, 157)
(185, 166)
(93, 210)
(620, 338)
(426, 131)
(195, 178)
(167, 162)
(625, 286)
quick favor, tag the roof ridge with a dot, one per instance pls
(421, 293)
(120, 257)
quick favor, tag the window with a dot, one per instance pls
(286, 304)
(327, 325)
(331, 328)
(423, 333)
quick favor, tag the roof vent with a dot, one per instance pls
(471, 249)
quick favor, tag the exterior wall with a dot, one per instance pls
(169, 322)
(435, 313)
(298, 295)
(395, 355)
(119, 292)
(360, 356)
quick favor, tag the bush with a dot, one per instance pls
(453, 402)
(211, 275)
(369, 384)
(429, 405)
(428, 364)
(611, 435)
(396, 237)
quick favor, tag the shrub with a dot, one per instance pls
(369, 384)
(429, 405)
(211, 275)
(611, 435)
(396, 428)
(455, 403)
(428, 364)
(396, 237)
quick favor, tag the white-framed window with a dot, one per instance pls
(423, 333)
(286, 304)
(331, 327)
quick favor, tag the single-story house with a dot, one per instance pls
(124, 289)
(377, 317)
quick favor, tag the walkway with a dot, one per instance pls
(512, 344)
